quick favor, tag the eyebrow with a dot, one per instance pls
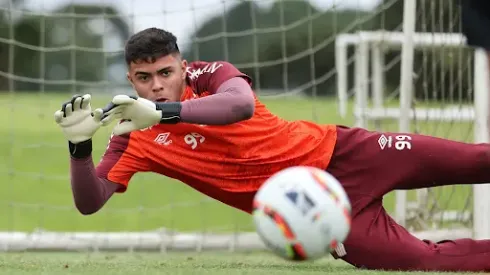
(164, 69)
(140, 72)
(158, 71)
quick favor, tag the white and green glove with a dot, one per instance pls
(137, 113)
(76, 119)
(78, 123)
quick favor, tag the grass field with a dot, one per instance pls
(175, 264)
(35, 193)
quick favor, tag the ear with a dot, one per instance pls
(184, 68)
(128, 76)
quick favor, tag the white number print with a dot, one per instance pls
(403, 142)
(194, 139)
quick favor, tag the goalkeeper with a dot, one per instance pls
(201, 123)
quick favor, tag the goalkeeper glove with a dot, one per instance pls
(79, 124)
(139, 113)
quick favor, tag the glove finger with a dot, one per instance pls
(58, 116)
(124, 128)
(77, 104)
(68, 109)
(123, 100)
(63, 106)
(109, 107)
(97, 115)
(85, 104)
(114, 111)
(107, 118)
(72, 101)
(74, 97)
(147, 103)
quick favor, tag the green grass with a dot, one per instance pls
(172, 263)
(35, 190)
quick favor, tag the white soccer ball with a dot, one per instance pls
(302, 213)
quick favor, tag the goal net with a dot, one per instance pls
(334, 61)
(421, 77)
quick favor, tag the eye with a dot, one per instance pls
(165, 73)
(142, 77)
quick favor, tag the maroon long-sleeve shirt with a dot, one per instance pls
(229, 99)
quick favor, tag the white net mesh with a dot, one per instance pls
(443, 80)
(50, 50)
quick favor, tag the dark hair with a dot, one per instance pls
(150, 44)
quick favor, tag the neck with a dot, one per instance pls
(182, 92)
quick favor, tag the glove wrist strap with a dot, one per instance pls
(80, 150)
(170, 112)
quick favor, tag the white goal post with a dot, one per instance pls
(369, 47)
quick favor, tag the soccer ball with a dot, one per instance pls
(302, 213)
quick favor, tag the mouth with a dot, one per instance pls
(161, 99)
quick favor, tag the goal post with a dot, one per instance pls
(406, 93)
(481, 193)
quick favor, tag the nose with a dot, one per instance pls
(157, 85)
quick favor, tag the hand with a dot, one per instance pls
(76, 119)
(136, 113)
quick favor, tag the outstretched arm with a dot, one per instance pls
(78, 123)
(90, 192)
(232, 102)
(93, 186)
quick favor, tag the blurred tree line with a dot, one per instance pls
(288, 46)
(293, 45)
(46, 51)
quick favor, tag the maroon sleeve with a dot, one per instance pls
(229, 99)
(90, 192)
(113, 153)
(233, 101)
(207, 77)
(91, 186)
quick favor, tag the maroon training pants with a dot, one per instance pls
(371, 164)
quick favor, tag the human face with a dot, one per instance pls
(162, 80)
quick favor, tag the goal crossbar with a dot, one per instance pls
(377, 42)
